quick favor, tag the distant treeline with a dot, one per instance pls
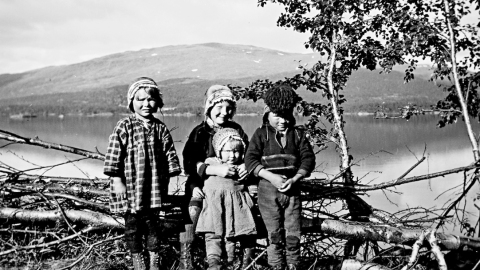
(366, 92)
(98, 102)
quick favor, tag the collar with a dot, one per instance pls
(211, 127)
(146, 122)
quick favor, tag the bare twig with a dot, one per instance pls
(52, 243)
(90, 249)
(411, 168)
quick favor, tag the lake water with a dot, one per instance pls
(446, 148)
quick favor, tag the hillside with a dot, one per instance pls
(184, 73)
(211, 61)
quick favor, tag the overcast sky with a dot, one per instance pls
(39, 33)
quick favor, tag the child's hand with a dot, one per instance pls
(223, 170)
(277, 180)
(119, 188)
(289, 183)
(198, 193)
(242, 172)
(286, 186)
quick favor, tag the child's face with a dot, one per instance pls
(278, 122)
(143, 104)
(222, 112)
(232, 152)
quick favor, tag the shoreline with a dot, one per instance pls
(30, 117)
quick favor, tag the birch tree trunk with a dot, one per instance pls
(458, 88)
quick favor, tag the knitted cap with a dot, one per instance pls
(223, 136)
(141, 83)
(216, 94)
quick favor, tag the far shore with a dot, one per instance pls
(29, 116)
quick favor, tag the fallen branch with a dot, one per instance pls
(415, 248)
(100, 206)
(383, 233)
(459, 198)
(91, 218)
(432, 239)
(314, 185)
(99, 220)
(351, 264)
(336, 228)
(5, 135)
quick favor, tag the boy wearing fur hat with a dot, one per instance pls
(226, 216)
(280, 154)
(220, 106)
(140, 159)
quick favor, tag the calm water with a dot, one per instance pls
(446, 148)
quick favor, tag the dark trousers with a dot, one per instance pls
(142, 227)
(281, 214)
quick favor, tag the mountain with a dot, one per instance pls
(210, 61)
(184, 72)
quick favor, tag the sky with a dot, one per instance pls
(40, 33)
(36, 34)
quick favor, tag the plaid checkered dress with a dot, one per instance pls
(145, 158)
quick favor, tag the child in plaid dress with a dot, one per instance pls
(140, 159)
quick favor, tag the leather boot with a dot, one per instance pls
(214, 264)
(154, 260)
(291, 267)
(185, 256)
(186, 240)
(247, 257)
(230, 265)
(139, 261)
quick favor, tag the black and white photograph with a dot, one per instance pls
(240, 134)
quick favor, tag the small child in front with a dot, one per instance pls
(140, 159)
(226, 215)
(280, 154)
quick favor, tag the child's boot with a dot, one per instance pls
(186, 240)
(292, 266)
(139, 261)
(247, 257)
(186, 256)
(154, 260)
(214, 263)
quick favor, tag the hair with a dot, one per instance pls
(281, 100)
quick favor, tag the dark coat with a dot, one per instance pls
(198, 148)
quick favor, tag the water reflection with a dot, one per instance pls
(403, 142)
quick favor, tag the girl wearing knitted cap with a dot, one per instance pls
(220, 108)
(226, 216)
(140, 159)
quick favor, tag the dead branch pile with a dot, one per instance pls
(68, 218)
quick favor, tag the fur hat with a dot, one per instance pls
(222, 136)
(142, 83)
(281, 99)
(216, 94)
